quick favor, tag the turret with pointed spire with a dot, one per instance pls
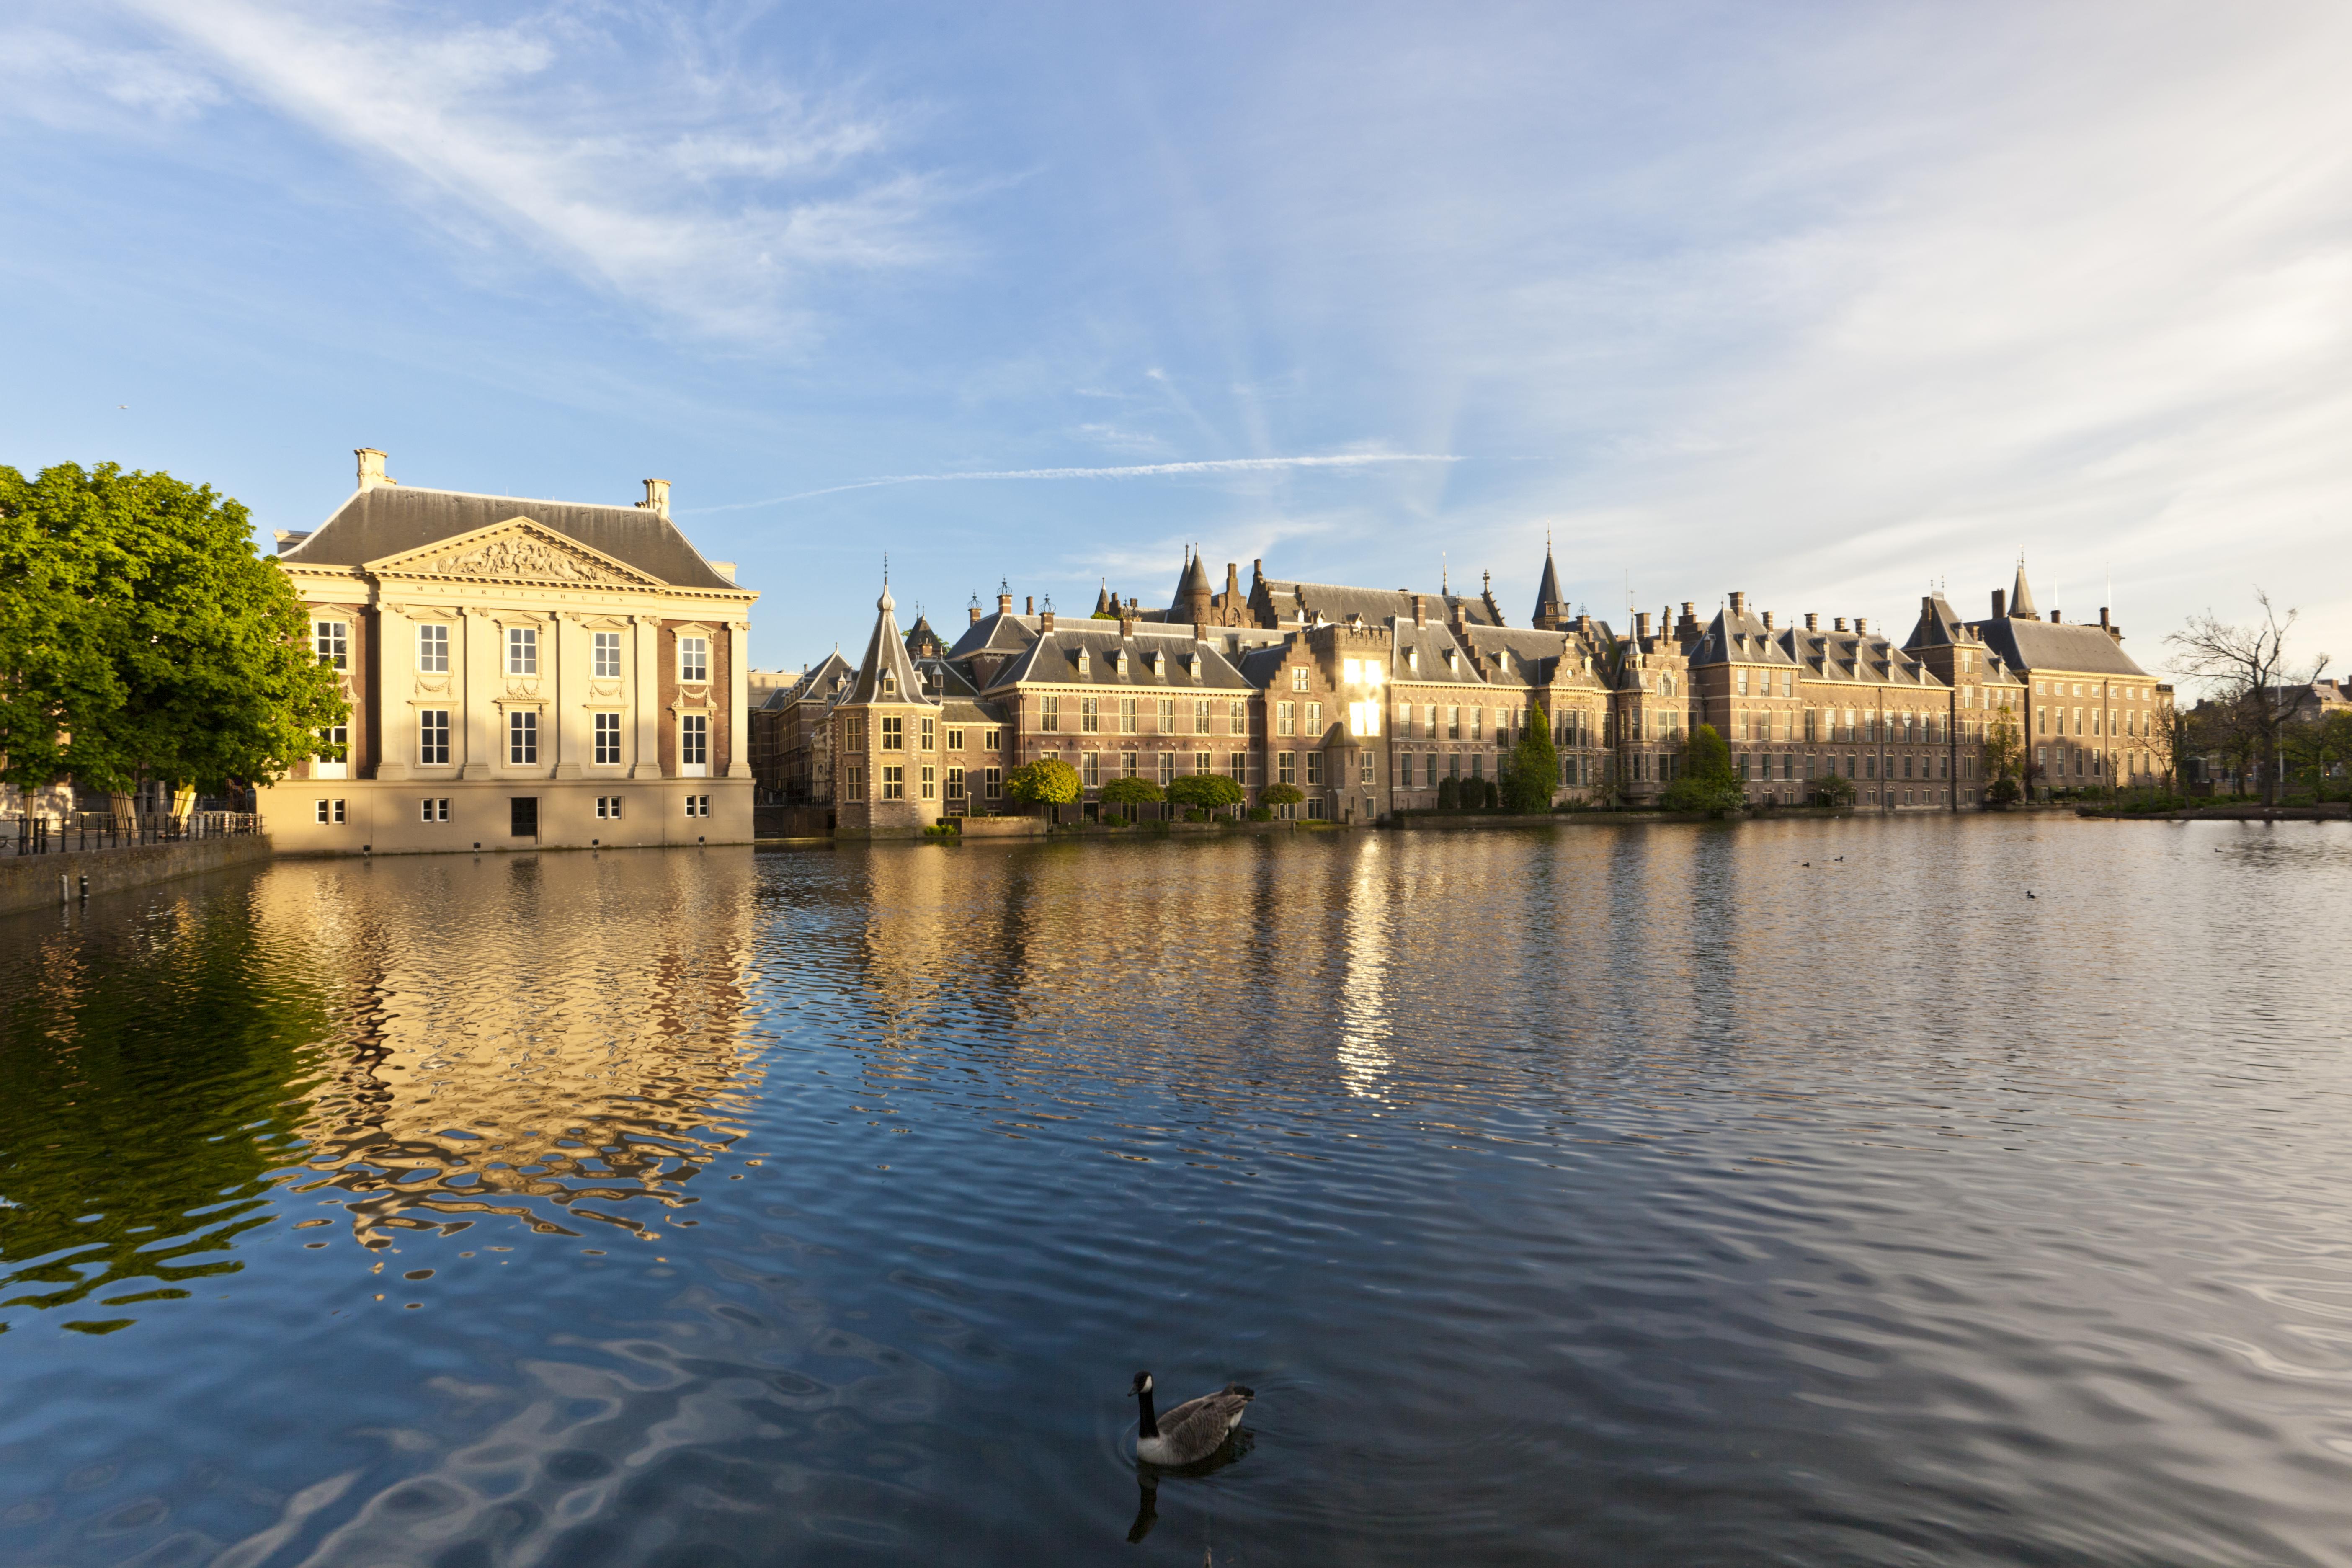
(1551, 611)
(1192, 592)
(2020, 598)
(876, 736)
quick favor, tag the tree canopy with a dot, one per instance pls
(1707, 782)
(1281, 794)
(1048, 781)
(1533, 774)
(1131, 792)
(140, 637)
(1205, 792)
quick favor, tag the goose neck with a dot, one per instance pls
(1149, 1427)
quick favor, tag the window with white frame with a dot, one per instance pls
(608, 806)
(604, 655)
(608, 739)
(1237, 716)
(331, 640)
(994, 784)
(1167, 769)
(694, 659)
(698, 805)
(894, 784)
(931, 783)
(522, 739)
(693, 740)
(955, 783)
(1201, 720)
(433, 737)
(1299, 678)
(430, 810)
(330, 812)
(522, 650)
(433, 649)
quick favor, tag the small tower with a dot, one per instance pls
(1193, 596)
(2021, 597)
(885, 781)
(1551, 610)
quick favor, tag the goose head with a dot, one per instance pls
(1142, 1385)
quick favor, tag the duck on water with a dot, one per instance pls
(1193, 1430)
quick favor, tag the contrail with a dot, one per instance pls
(1138, 471)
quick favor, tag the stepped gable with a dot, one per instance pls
(388, 520)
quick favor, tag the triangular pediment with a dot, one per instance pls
(515, 550)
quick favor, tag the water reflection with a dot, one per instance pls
(1364, 991)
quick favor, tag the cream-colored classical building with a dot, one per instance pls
(522, 674)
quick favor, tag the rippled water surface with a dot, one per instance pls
(1600, 1194)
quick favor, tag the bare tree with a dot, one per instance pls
(2246, 667)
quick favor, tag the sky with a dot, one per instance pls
(1832, 304)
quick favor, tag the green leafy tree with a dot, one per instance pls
(1835, 789)
(1534, 772)
(2002, 747)
(1282, 795)
(1205, 792)
(1449, 794)
(1128, 793)
(1048, 781)
(142, 639)
(1707, 782)
(2320, 751)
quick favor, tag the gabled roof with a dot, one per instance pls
(2049, 645)
(1739, 636)
(1432, 643)
(817, 682)
(997, 632)
(1939, 625)
(887, 654)
(396, 519)
(1053, 661)
(1855, 658)
(1295, 601)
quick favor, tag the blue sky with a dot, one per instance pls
(1827, 303)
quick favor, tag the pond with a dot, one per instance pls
(1790, 1192)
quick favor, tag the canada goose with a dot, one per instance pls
(2031, 894)
(1193, 1430)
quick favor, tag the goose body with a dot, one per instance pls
(1193, 1430)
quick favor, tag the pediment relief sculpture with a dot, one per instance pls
(514, 550)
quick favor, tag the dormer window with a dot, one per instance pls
(889, 685)
(1160, 665)
(1083, 665)
(1453, 664)
(1121, 657)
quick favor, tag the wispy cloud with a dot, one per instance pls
(1132, 471)
(664, 176)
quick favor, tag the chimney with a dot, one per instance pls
(1003, 604)
(1862, 626)
(656, 499)
(1641, 625)
(1767, 620)
(1739, 603)
(1032, 603)
(1420, 610)
(2104, 624)
(1232, 585)
(975, 615)
(2054, 618)
(1813, 620)
(2000, 603)
(1127, 620)
(372, 472)
(1200, 634)
(1840, 623)
(1045, 622)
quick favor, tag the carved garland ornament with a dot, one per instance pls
(524, 558)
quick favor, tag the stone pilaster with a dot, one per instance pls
(478, 635)
(644, 698)
(569, 645)
(394, 720)
(739, 701)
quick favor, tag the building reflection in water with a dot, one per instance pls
(558, 1039)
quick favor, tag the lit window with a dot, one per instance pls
(332, 639)
(1299, 678)
(694, 658)
(606, 650)
(1237, 716)
(522, 739)
(1351, 671)
(608, 739)
(1373, 672)
(433, 649)
(1167, 716)
(1090, 714)
(1286, 718)
(522, 650)
(1201, 720)
(1050, 714)
(1315, 720)
(1127, 715)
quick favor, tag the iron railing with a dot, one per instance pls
(81, 830)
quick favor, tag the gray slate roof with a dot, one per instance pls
(887, 654)
(1185, 665)
(1295, 601)
(1740, 638)
(2042, 644)
(391, 519)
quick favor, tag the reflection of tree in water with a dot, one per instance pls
(422, 1042)
(547, 1040)
(151, 1079)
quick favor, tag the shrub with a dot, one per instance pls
(1261, 813)
(2004, 790)
(1833, 790)
(1449, 794)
